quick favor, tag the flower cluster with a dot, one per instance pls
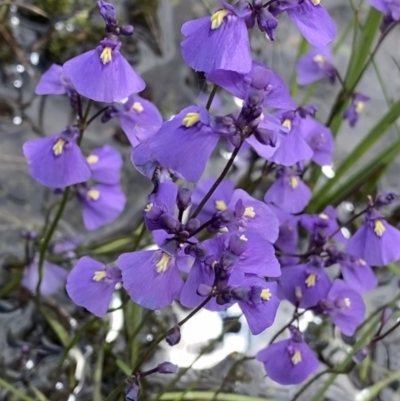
(216, 245)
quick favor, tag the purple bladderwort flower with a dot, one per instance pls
(312, 20)
(267, 23)
(293, 148)
(53, 277)
(138, 117)
(304, 285)
(220, 42)
(218, 201)
(376, 241)
(320, 140)
(322, 226)
(132, 391)
(54, 82)
(252, 214)
(91, 284)
(173, 336)
(56, 161)
(344, 306)
(185, 143)
(109, 15)
(66, 246)
(356, 273)
(167, 368)
(103, 74)
(275, 92)
(105, 163)
(288, 191)
(315, 65)
(390, 10)
(356, 107)
(289, 361)
(258, 303)
(101, 204)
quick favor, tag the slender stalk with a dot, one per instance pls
(217, 182)
(211, 97)
(91, 119)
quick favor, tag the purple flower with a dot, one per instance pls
(108, 12)
(389, 8)
(54, 82)
(315, 65)
(320, 140)
(101, 204)
(356, 107)
(219, 199)
(267, 23)
(103, 74)
(345, 307)
(293, 148)
(304, 285)
(185, 143)
(252, 214)
(312, 20)
(288, 192)
(260, 310)
(57, 161)
(356, 273)
(151, 278)
(105, 164)
(288, 361)
(276, 93)
(91, 284)
(376, 241)
(218, 43)
(52, 280)
(139, 119)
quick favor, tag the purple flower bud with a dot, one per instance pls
(169, 222)
(173, 336)
(359, 356)
(266, 137)
(198, 251)
(167, 368)
(184, 198)
(267, 23)
(192, 225)
(28, 235)
(257, 4)
(384, 199)
(108, 12)
(132, 391)
(126, 30)
(242, 293)
(307, 110)
(356, 107)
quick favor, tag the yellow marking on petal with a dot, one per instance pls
(243, 238)
(287, 124)
(294, 182)
(323, 216)
(316, 2)
(93, 194)
(99, 275)
(320, 59)
(311, 280)
(360, 106)
(106, 55)
(59, 146)
(148, 207)
(379, 228)
(137, 106)
(191, 119)
(92, 159)
(217, 18)
(266, 294)
(162, 264)
(347, 302)
(362, 262)
(220, 205)
(249, 212)
(296, 358)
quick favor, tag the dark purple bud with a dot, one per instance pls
(241, 293)
(257, 4)
(174, 336)
(126, 30)
(266, 137)
(223, 298)
(108, 114)
(108, 12)
(237, 245)
(204, 290)
(28, 235)
(296, 334)
(387, 21)
(307, 110)
(267, 23)
(184, 235)
(359, 356)
(167, 368)
(198, 251)
(132, 391)
(192, 225)
(169, 222)
(384, 199)
(184, 198)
